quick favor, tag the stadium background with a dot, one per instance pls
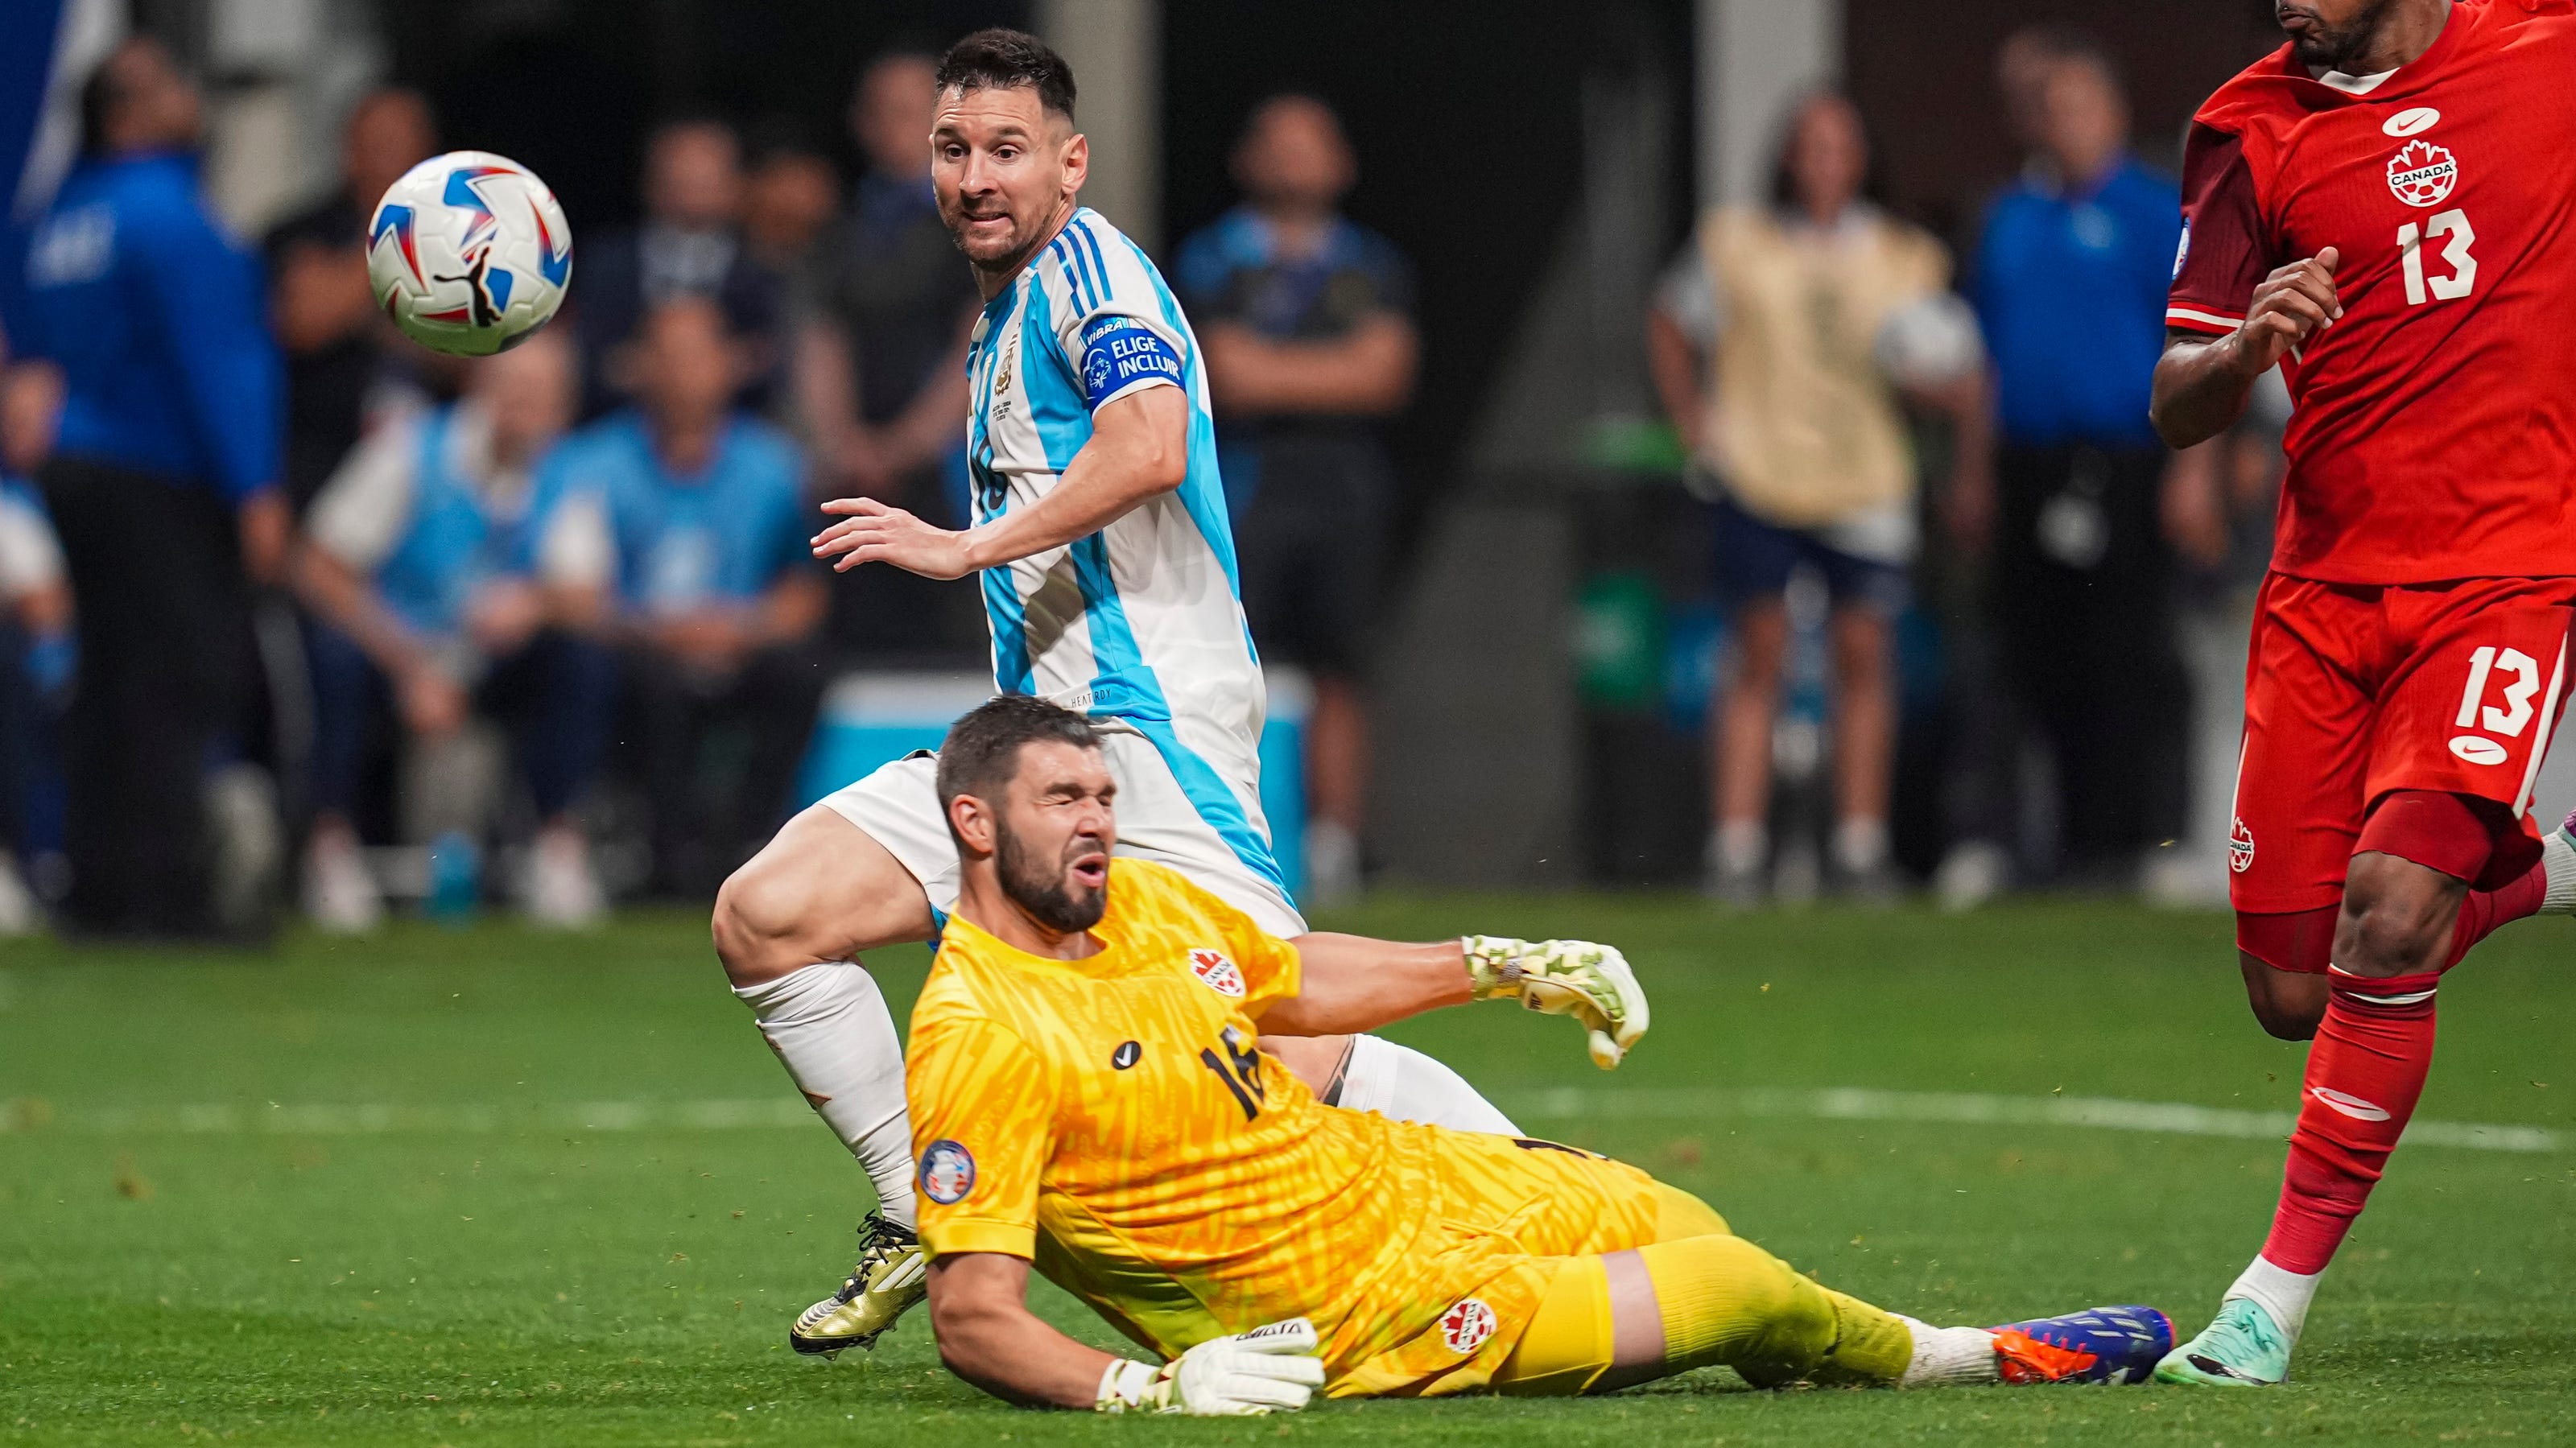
(497, 1186)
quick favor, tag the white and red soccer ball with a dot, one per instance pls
(469, 253)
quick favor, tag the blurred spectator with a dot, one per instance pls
(679, 531)
(690, 245)
(1307, 321)
(2070, 286)
(36, 648)
(319, 299)
(788, 199)
(1784, 342)
(881, 363)
(418, 567)
(163, 489)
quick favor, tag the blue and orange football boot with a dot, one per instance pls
(2108, 1345)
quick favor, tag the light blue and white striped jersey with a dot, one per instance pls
(1140, 623)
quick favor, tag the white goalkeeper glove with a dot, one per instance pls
(1577, 978)
(1269, 1369)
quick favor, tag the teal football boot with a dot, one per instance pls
(2244, 1348)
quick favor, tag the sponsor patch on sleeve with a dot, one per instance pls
(1121, 354)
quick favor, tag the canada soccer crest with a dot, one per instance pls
(2240, 848)
(1217, 973)
(2423, 174)
(1466, 1326)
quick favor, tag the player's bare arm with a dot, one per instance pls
(1139, 450)
(2202, 385)
(1350, 983)
(987, 1335)
(979, 1310)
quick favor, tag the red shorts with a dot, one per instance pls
(2352, 692)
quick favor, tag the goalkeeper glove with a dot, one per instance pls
(1577, 978)
(1268, 1369)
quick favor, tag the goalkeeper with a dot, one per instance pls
(1088, 1095)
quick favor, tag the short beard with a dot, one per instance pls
(2335, 49)
(1038, 887)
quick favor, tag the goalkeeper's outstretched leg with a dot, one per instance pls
(1684, 1302)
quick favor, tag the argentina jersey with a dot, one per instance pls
(1138, 624)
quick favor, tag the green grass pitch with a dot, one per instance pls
(494, 1187)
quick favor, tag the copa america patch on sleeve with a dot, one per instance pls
(1120, 354)
(947, 1172)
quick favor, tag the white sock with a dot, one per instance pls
(2558, 863)
(1405, 1085)
(1739, 847)
(2279, 1291)
(829, 1025)
(1947, 1355)
(1860, 845)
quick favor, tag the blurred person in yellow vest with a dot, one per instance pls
(1786, 342)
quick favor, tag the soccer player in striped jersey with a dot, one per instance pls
(1108, 569)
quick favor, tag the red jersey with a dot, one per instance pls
(2435, 436)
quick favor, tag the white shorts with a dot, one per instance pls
(1212, 839)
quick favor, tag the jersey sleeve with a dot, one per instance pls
(1109, 317)
(2226, 250)
(983, 1125)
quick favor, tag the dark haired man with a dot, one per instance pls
(881, 360)
(169, 433)
(1089, 1095)
(1310, 343)
(2386, 210)
(1107, 564)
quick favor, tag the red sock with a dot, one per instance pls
(2486, 910)
(2364, 1073)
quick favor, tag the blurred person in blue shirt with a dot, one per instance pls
(36, 646)
(419, 567)
(163, 488)
(2070, 284)
(678, 529)
(1307, 320)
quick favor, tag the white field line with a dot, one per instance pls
(1569, 1103)
(2098, 1112)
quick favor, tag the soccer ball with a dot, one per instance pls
(469, 253)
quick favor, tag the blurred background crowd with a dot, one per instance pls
(1644, 469)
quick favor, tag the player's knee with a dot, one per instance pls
(2398, 917)
(759, 911)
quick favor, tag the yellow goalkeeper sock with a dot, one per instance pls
(1725, 1300)
(1721, 1299)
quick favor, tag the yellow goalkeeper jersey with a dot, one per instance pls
(1111, 1120)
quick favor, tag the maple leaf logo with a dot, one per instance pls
(2423, 174)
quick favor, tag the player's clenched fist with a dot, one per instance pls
(1577, 978)
(1269, 1369)
(2293, 304)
